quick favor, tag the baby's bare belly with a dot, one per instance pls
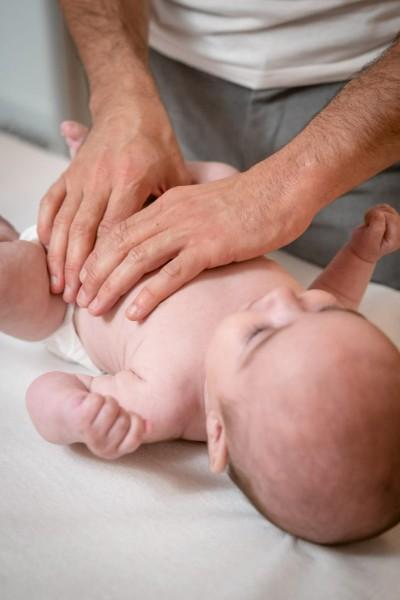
(176, 335)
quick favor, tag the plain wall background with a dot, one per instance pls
(41, 81)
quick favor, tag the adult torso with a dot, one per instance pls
(274, 43)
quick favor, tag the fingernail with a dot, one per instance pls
(54, 281)
(68, 294)
(82, 275)
(134, 312)
(94, 305)
(82, 298)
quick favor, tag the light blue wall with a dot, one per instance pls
(41, 82)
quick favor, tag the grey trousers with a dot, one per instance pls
(215, 119)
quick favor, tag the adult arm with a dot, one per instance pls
(130, 152)
(194, 228)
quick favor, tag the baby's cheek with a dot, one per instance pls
(315, 300)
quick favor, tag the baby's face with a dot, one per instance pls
(254, 354)
(303, 395)
(236, 358)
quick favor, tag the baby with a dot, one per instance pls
(292, 389)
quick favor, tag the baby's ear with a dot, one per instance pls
(216, 437)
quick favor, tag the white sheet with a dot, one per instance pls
(155, 524)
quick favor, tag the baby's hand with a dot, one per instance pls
(108, 430)
(379, 235)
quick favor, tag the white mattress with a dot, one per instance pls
(155, 524)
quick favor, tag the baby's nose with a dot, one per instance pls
(282, 296)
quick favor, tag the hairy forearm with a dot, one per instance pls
(354, 137)
(111, 37)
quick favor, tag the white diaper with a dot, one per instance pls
(64, 342)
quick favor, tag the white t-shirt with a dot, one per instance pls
(274, 43)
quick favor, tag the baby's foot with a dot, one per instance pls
(7, 231)
(379, 235)
(108, 430)
(74, 134)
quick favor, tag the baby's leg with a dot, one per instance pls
(27, 308)
(65, 411)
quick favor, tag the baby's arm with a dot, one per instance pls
(349, 272)
(27, 308)
(111, 414)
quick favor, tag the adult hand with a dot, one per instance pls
(190, 229)
(129, 154)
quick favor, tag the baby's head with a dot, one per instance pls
(303, 403)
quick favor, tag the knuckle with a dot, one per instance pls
(136, 255)
(127, 169)
(84, 422)
(62, 220)
(107, 288)
(54, 257)
(90, 268)
(173, 269)
(106, 226)
(122, 422)
(119, 234)
(81, 228)
(71, 268)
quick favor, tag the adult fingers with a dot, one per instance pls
(126, 199)
(81, 239)
(110, 250)
(176, 273)
(140, 260)
(98, 213)
(48, 209)
(57, 247)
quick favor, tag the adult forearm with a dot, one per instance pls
(111, 37)
(356, 136)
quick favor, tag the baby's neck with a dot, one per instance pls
(195, 426)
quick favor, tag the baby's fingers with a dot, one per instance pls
(391, 239)
(133, 437)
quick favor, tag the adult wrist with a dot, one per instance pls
(293, 176)
(121, 88)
